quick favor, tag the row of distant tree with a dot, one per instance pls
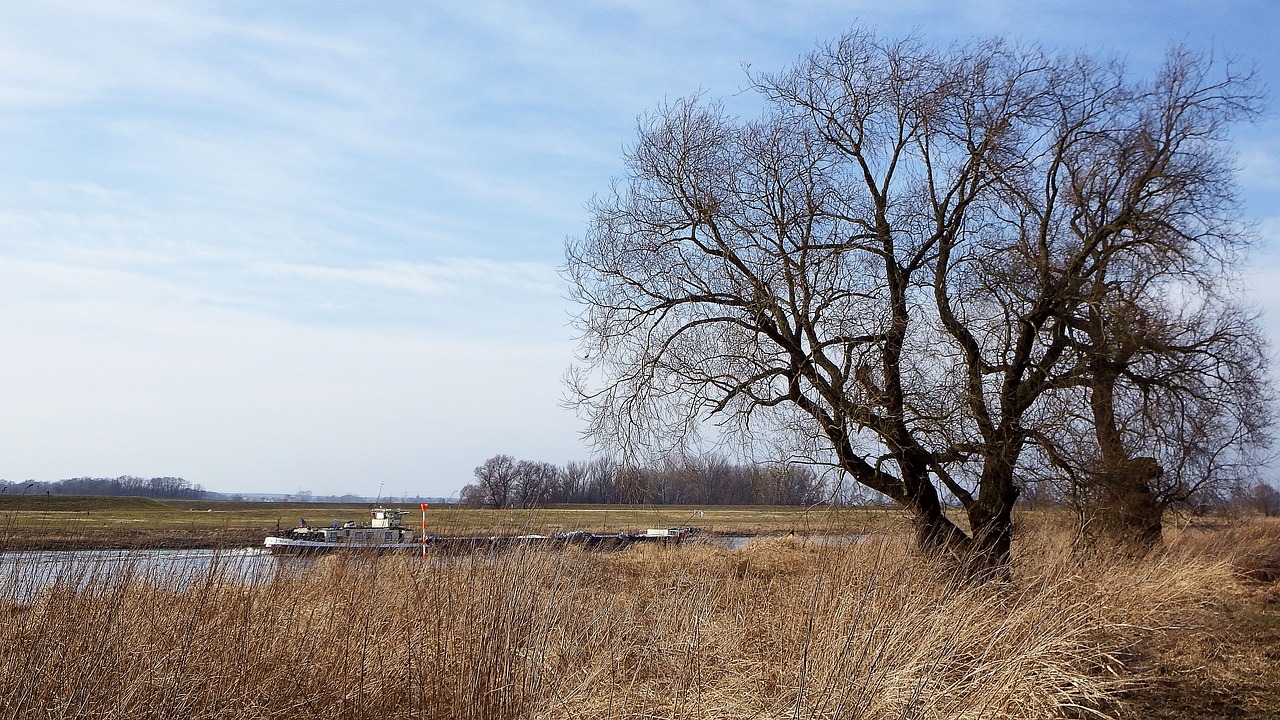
(1259, 497)
(505, 482)
(502, 481)
(166, 488)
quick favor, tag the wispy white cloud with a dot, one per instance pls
(443, 278)
(1259, 158)
(140, 377)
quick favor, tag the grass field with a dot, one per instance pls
(74, 522)
(778, 629)
(781, 628)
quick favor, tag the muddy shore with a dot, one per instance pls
(132, 540)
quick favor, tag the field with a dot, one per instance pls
(781, 628)
(57, 522)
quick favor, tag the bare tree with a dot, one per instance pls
(573, 483)
(888, 262)
(1176, 407)
(601, 481)
(534, 483)
(1171, 369)
(495, 483)
(1265, 499)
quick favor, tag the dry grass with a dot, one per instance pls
(778, 629)
(1224, 659)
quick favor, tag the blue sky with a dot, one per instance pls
(313, 245)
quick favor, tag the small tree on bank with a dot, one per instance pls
(897, 262)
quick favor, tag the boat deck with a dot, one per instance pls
(439, 543)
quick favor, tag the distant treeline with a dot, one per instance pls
(161, 488)
(502, 481)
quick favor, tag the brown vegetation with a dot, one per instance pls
(781, 628)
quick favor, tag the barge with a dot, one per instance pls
(386, 532)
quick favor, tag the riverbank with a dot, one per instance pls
(79, 523)
(778, 628)
(139, 539)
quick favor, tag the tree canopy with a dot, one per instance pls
(944, 271)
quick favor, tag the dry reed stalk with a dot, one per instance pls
(779, 629)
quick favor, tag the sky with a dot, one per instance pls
(314, 245)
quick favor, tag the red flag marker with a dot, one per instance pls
(424, 532)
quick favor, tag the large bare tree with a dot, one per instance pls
(890, 260)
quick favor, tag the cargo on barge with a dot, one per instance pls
(386, 532)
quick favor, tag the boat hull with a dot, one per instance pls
(285, 545)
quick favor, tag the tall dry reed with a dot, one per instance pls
(778, 629)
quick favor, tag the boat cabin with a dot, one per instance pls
(384, 527)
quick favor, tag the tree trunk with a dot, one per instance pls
(1128, 510)
(1126, 506)
(991, 517)
(936, 535)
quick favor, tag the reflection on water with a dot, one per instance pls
(24, 573)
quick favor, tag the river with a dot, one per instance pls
(24, 573)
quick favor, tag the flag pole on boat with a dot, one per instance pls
(424, 532)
